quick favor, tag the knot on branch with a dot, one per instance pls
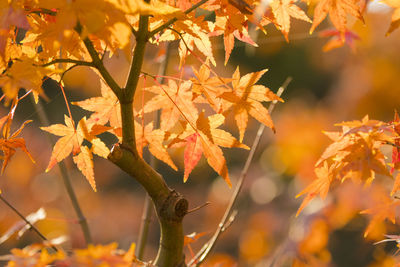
(175, 207)
(116, 152)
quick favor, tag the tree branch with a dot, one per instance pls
(127, 93)
(206, 249)
(137, 59)
(148, 207)
(98, 63)
(68, 60)
(171, 207)
(173, 20)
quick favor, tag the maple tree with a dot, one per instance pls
(41, 40)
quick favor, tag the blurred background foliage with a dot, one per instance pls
(327, 88)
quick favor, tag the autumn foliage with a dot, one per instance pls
(42, 40)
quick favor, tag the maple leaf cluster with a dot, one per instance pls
(35, 33)
(94, 255)
(41, 39)
(356, 154)
(182, 124)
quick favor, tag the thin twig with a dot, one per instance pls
(173, 20)
(67, 70)
(230, 220)
(26, 221)
(144, 226)
(198, 207)
(65, 176)
(205, 250)
(148, 207)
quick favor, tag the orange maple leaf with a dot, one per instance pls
(338, 11)
(210, 87)
(154, 139)
(51, 34)
(10, 143)
(320, 186)
(283, 10)
(337, 40)
(191, 238)
(232, 25)
(23, 74)
(246, 99)
(355, 154)
(395, 149)
(196, 33)
(11, 15)
(384, 209)
(205, 138)
(71, 142)
(362, 160)
(365, 133)
(174, 100)
(396, 184)
(105, 107)
(84, 162)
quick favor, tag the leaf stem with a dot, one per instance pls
(206, 249)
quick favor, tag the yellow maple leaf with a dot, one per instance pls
(246, 98)
(10, 143)
(174, 100)
(283, 10)
(106, 107)
(23, 74)
(384, 208)
(84, 162)
(70, 141)
(154, 139)
(210, 87)
(205, 138)
(338, 11)
(320, 186)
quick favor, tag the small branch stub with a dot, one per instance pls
(174, 208)
(115, 153)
